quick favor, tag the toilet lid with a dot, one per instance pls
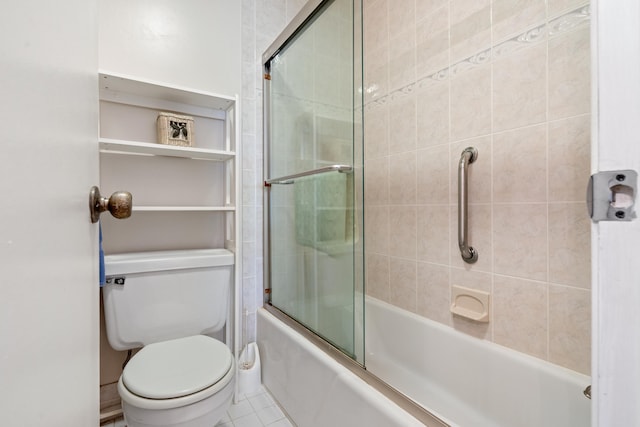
(177, 368)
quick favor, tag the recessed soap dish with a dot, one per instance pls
(470, 303)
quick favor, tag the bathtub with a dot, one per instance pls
(466, 381)
(462, 380)
(314, 389)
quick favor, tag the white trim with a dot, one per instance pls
(616, 287)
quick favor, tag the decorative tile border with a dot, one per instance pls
(560, 25)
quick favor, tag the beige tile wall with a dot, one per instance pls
(512, 79)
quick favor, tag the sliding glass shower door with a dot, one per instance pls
(313, 177)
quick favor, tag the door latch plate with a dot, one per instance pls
(611, 195)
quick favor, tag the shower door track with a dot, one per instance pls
(414, 409)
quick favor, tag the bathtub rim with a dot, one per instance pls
(404, 402)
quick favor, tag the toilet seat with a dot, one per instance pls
(177, 368)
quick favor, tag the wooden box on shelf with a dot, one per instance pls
(175, 129)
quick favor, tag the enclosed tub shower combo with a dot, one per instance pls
(398, 236)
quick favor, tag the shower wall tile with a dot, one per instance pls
(570, 328)
(557, 7)
(433, 175)
(520, 240)
(520, 315)
(248, 151)
(479, 171)
(293, 7)
(569, 158)
(402, 124)
(402, 291)
(377, 229)
(470, 29)
(402, 179)
(520, 88)
(270, 17)
(249, 224)
(403, 232)
(376, 133)
(432, 108)
(519, 155)
(569, 76)
(569, 239)
(248, 259)
(249, 294)
(510, 17)
(433, 225)
(402, 59)
(376, 29)
(488, 87)
(470, 112)
(401, 17)
(377, 273)
(433, 292)
(376, 181)
(425, 8)
(479, 237)
(376, 74)
(432, 42)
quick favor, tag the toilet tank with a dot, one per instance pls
(158, 296)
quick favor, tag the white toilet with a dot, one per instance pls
(168, 302)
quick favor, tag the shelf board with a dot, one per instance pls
(116, 83)
(132, 147)
(183, 208)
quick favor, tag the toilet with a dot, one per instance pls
(170, 303)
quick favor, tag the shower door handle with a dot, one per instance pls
(469, 255)
(289, 179)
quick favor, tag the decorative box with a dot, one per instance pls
(174, 129)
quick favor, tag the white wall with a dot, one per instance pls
(190, 43)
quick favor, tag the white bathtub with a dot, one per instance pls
(466, 381)
(314, 389)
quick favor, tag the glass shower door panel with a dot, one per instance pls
(312, 227)
(312, 256)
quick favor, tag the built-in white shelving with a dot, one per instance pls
(125, 89)
(116, 146)
(177, 188)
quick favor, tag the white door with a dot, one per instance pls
(616, 255)
(49, 296)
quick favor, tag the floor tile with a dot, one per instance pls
(260, 401)
(240, 409)
(250, 420)
(270, 414)
(282, 423)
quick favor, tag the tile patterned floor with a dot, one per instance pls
(258, 409)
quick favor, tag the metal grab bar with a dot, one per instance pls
(469, 255)
(288, 179)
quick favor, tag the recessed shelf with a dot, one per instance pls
(116, 146)
(184, 208)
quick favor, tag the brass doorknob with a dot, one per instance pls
(119, 204)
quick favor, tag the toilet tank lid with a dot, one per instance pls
(144, 262)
